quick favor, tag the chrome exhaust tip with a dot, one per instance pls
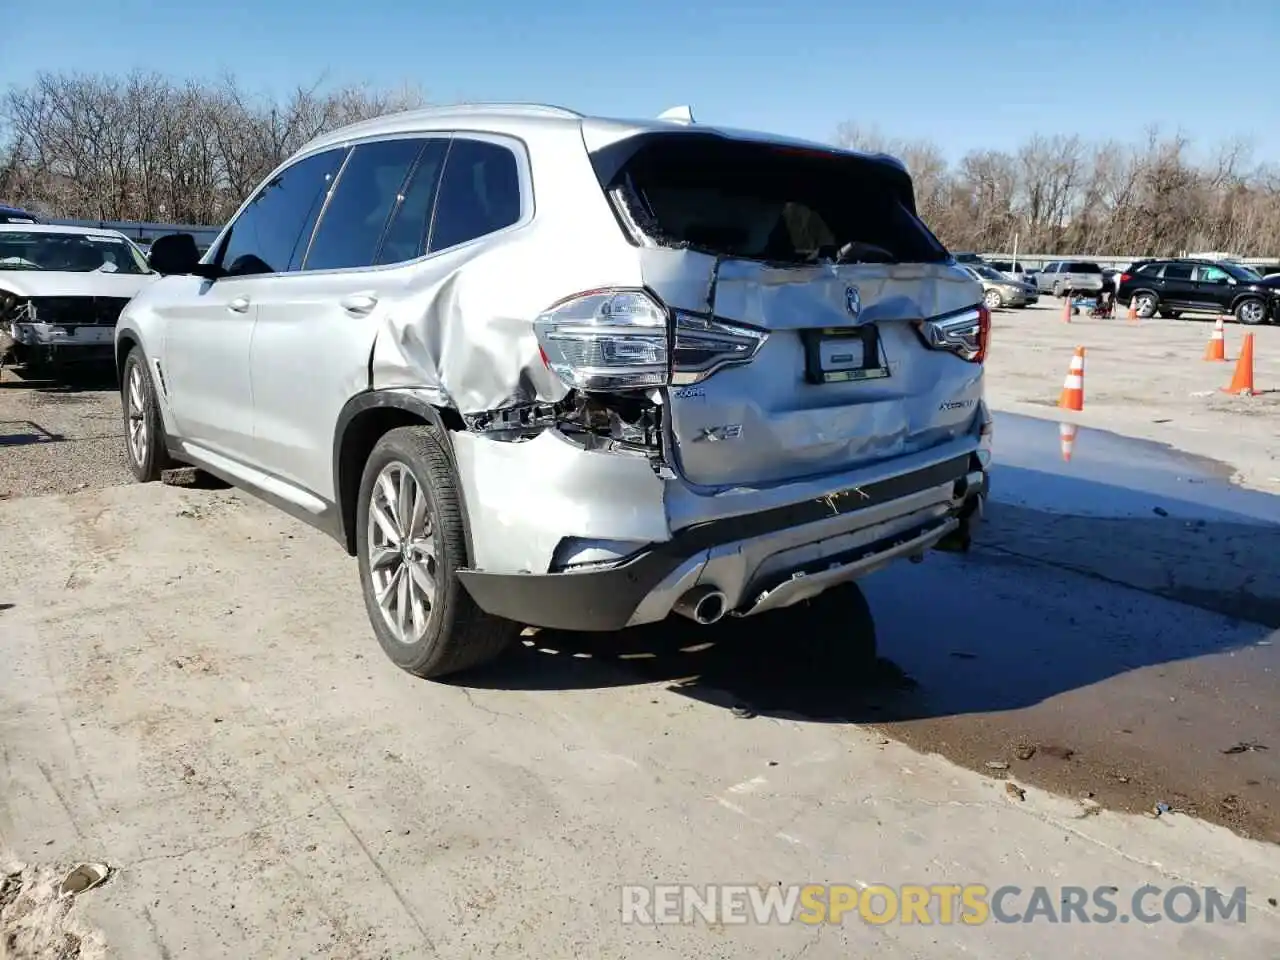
(703, 605)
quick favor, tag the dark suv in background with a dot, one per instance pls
(1173, 287)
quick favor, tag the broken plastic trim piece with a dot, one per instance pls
(525, 416)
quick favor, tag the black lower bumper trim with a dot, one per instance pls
(604, 598)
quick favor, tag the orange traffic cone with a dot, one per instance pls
(1133, 312)
(1067, 307)
(1067, 434)
(1072, 396)
(1217, 348)
(1242, 379)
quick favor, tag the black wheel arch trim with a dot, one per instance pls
(410, 401)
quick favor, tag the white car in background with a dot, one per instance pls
(61, 291)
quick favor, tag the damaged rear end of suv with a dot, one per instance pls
(674, 370)
(790, 396)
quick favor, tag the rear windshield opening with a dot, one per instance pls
(1083, 268)
(759, 202)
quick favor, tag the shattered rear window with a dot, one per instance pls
(762, 202)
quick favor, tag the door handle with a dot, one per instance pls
(239, 304)
(359, 303)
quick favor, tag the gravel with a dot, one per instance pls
(60, 436)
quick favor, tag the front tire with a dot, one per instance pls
(993, 300)
(145, 443)
(410, 543)
(1251, 311)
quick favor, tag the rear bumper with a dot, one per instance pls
(759, 561)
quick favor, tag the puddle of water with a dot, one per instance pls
(1061, 467)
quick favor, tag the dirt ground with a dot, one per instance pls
(191, 695)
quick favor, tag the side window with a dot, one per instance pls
(406, 234)
(367, 191)
(1212, 275)
(479, 193)
(1150, 269)
(271, 233)
(1177, 271)
(1050, 267)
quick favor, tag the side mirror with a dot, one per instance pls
(176, 254)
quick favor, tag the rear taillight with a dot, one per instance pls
(619, 339)
(1125, 278)
(966, 334)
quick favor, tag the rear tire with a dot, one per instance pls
(410, 543)
(1171, 314)
(993, 300)
(146, 446)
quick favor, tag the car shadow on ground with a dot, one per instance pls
(70, 379)
(998, 629)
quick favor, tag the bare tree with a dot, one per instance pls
(1062, 195)
(142, 147)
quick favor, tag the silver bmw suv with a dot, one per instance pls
(536, 368)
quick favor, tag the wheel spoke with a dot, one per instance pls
(385, 524)
(383, 557)
(388, 593)
(405, 497)
(424, 580)
(135, 391)
(418, 525)
(402, 606)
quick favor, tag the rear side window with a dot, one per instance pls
(1150, 269)
(1177, 271)
(406, 234)
(271, 233)
(1050, 268)
(1081, 267)
(367, 191)
(761, 202)
(479, 193)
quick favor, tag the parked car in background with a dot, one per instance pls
(1000, 290)
(16, 215)
(61, 290)
(1176, 286)
(641, 398)
(967, 258)
(1063, 277)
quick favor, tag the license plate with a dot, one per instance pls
(840, 355)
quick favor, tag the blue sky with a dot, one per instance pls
(978, 74)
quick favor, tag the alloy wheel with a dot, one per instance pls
(1252, 311)
(403, 562)
(137, 402)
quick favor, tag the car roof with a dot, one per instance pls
(54, 228)
(516, 119)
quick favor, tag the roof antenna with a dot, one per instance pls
(677, 114)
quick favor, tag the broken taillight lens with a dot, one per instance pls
(966, 334)
(625, 339)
